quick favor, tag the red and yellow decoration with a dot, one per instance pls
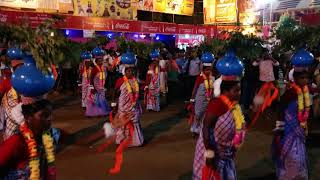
(303, 104)
(236, 112)
(238, 118)
(102, 74)
(267, 94)
(133, 91)
(181, 7)
(114, 9)
(34, 161)
(216, 11)
(208, 84)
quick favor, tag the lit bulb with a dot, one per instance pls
(142, 36)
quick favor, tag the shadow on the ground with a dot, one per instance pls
(186, 176)
(261, 170)
(59, 103)
(313, 140)
(270, 176)
(163, 125)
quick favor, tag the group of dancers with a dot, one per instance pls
(124, 109)
(29, 141)
(221, 125)
(218, 122)
(93, 72)
(28, 148)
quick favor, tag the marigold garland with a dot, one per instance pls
(48, 146)
(133, 92)
(238, 116)
(156, 75)
(86, 72)
(34, 161)
(102, 76)
(303, 103)
(238, 119)
(208, 85)
(157, 70)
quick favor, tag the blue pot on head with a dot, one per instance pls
(29, 81)
(14, 53)
(128, 58)
(230, 65)
(97, 51)
(155, 54)
(207, 57)
(49, 82)
(302, 58)
(86, 55)
(29, 61)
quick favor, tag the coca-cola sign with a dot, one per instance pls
(3, 18)
(106, 24)
(186, 31)
(152, 29)
(202, 31)
(170, 29)
(122, 26)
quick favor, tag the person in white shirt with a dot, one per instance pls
(192, 69)
(266, 72)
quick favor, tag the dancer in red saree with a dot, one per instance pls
(223, 128)
(125, 125)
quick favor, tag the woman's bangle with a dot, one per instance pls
(113, 104)
(209, 154)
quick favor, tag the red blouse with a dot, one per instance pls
(13, 154)
(199, 80)
(5, 85)
(216, 107)
(119, 83)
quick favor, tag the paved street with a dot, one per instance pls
(168, 153)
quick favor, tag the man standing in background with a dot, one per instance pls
(192, 70)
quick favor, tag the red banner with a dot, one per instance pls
(150, 27)
(170, 28)
(187, 29)
(106, 24)
(125, 26)
(311, 19)
(15, 17)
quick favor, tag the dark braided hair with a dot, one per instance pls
(227, 85)
(30, 109)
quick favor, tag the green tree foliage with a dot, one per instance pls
(293, 36)
(247, 47)
(138, 48)
(215, 46)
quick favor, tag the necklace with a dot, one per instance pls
(238, 119)
(133, 92)
(236, 112)
(303, 104)
(102, 74)
(34, 160)
(208, 83)
(156, 75)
